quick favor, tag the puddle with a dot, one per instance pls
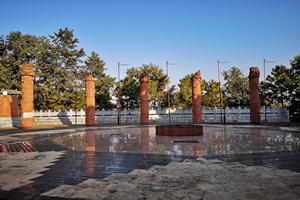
(214, 141)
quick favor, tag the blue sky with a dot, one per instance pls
(194, 34)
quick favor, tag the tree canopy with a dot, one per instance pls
(237, 86)
(185, 91)
(54, 58)
(130, 86)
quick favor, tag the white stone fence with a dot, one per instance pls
(209, 115)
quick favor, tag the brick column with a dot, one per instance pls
(27, 96)
(254, 95)
(196, 97)
(5, 108)
(144, 99)
(90, 100)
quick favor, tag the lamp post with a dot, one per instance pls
(167, 64)
(265, 87)
(220, 86)
(119, 99)
(226, 102)
(76, 94)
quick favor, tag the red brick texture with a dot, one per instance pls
(254, 95)
(90, 100)
(27, 96)
(196, 98)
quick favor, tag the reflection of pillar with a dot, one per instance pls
(254, 95)
(145, 140)
(144, 99)
(90, 100)
(27, 96)
(256, 141)
(90, 154)
(196, 97)
(198, 149)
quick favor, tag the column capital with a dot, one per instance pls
(27, 70)
(90, 77)
(254, 72)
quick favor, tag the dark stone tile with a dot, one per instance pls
(74, 168)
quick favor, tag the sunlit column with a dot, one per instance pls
(27, 96)
(196, 97)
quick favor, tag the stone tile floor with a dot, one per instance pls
(95, 153)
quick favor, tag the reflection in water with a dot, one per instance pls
(214, 141)
(90, 154)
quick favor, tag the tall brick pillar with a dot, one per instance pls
(144, 99)
(90, 100)
(196, 97)
(27, 96)
(254, 95)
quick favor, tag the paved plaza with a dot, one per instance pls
(237, 161)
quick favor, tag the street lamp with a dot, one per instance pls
(220, 85)
(119, 102)
(76, 94)
(226, 102)
(4, 93)
(265, 87)
(167, 64)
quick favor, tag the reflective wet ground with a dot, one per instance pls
(100, 152)
(214, 141)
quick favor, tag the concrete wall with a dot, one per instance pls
(6, 122)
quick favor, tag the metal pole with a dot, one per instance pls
(265, 90)
(220, 88)
(221, 99)
(224, 109)
(265, 87)
(76, 95)
(167, 64)
(168, 93)
(119, 104)
(119, 95)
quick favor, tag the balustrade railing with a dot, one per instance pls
(205, 111)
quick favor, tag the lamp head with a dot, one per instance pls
(4, 93)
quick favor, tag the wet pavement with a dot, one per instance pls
(98, 152)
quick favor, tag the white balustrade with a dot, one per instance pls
(212, 115)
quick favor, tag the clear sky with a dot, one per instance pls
(194, 34)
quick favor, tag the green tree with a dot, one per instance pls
(130, 93)
(211, 94)
(295, 89)
(174, 98)
(103, 83)
(237, 85)
(65, 58)
(54, 61)
(157, 84)
(295, 76)
(278, 85)
(16, 50)
(185, 91)
(44, 67)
